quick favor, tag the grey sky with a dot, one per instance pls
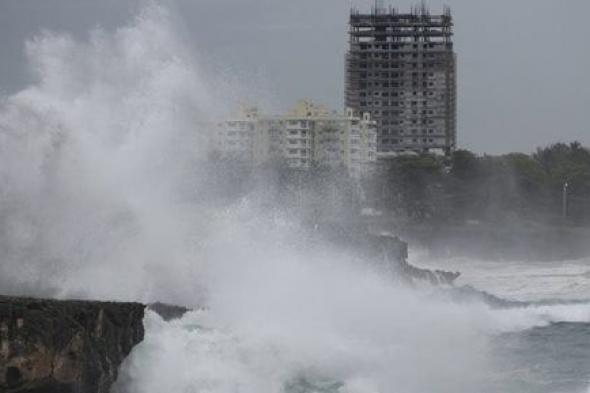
(523, 71)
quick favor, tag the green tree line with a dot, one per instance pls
(466, 186)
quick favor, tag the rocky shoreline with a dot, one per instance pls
(52, 346)
(381, 248)
(70, 346)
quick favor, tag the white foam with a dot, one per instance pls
(517, 280)
(523, 318)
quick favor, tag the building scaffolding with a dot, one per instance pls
(401, 68)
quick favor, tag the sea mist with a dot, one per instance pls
(103, 164)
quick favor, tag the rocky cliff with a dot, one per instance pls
(383, 249)
(49, 346)
(393, 253)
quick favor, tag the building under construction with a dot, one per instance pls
(400, 68)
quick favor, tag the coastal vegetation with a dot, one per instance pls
(467, 186)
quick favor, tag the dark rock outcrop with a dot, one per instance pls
(383, 249)
(50, 346)
(168, 312)
(394, 252)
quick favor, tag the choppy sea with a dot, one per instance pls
(506, 327)
(551, 357)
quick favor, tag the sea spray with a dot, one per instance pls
(303, 324)
(101, 168)
(97, 163)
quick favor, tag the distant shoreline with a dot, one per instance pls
(501, 242)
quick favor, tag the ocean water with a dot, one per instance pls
(337, 333)
(550, 357)
(513, 280)
(102, 193)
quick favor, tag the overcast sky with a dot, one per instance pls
(523, 65)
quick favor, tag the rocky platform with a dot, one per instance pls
(50, 346)
(381, 248)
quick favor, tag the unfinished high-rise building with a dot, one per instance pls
(401, 68)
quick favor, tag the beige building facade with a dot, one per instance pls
(305, 136)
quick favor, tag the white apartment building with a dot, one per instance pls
(236, 136)
(306, 135)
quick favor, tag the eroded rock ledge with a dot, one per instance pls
(50, 346)
(383, 249)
